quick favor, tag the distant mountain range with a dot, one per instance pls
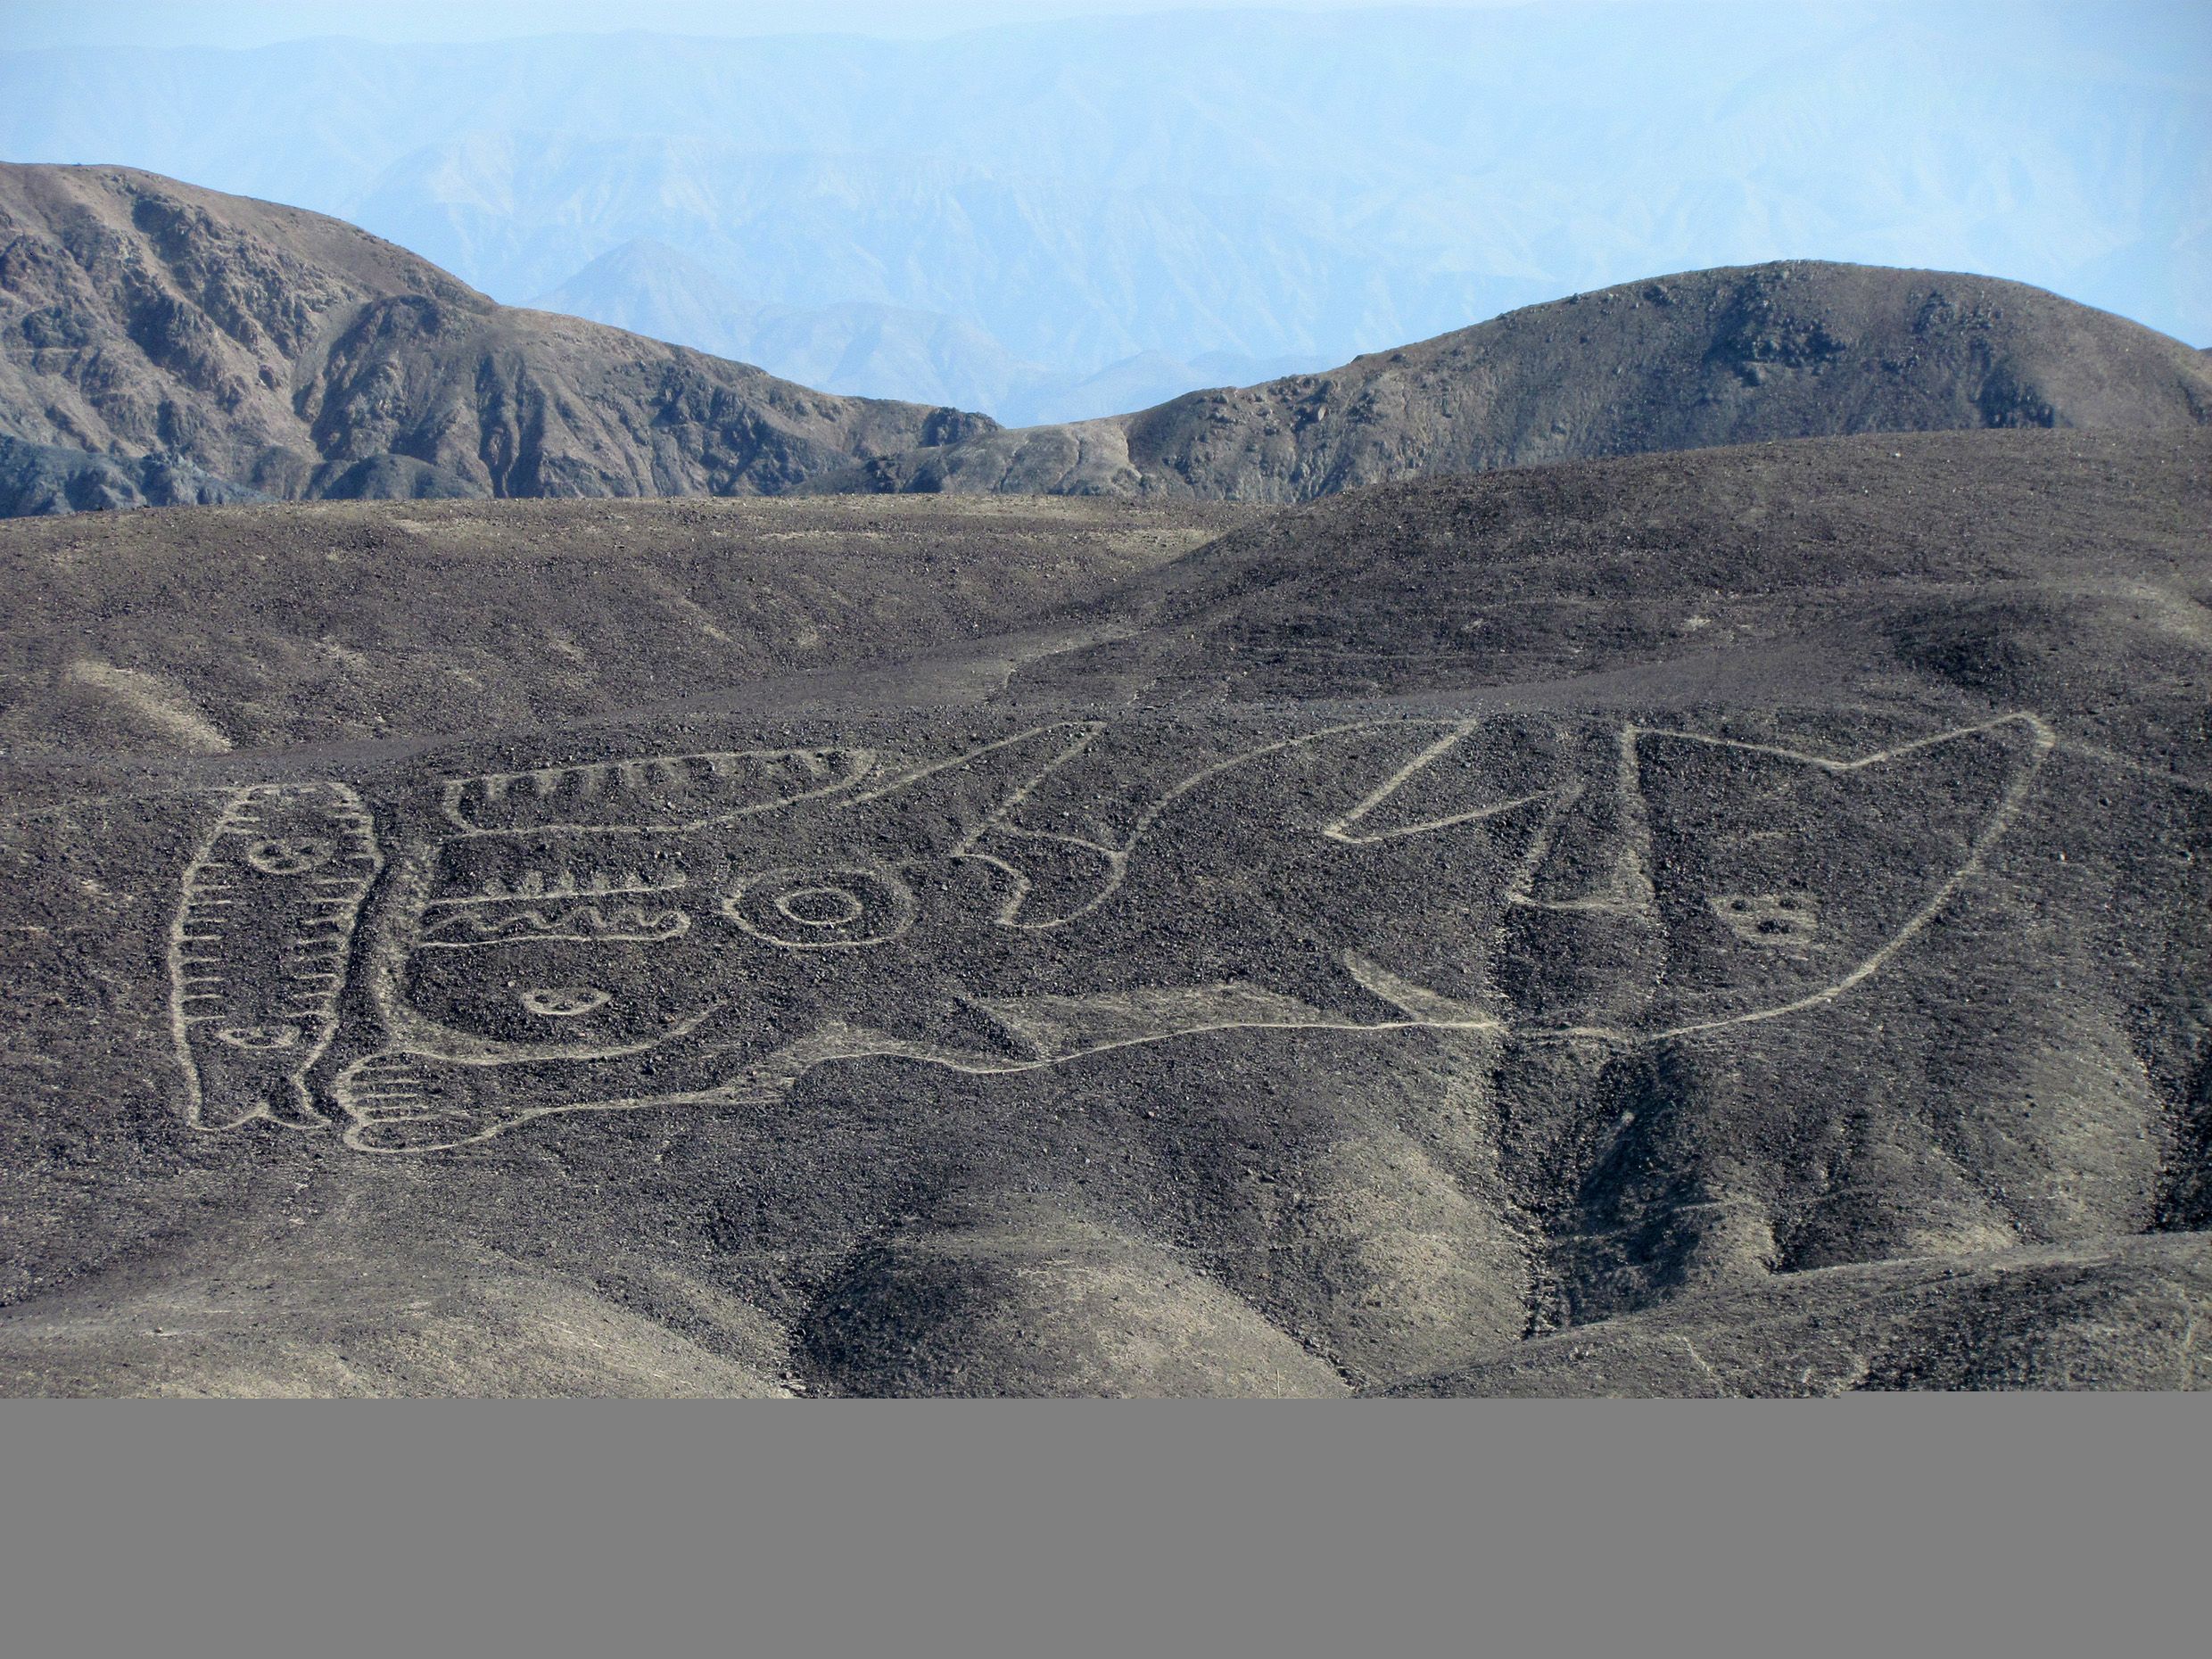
(164, 344)
(878, 350)
(1018, 210)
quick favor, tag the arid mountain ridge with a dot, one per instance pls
(170, 344)
(166, 345)
(1742, 355)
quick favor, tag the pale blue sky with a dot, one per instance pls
(1224, 188)
(262, 22)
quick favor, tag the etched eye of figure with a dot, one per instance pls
(820, 907)
(562, 1002)
(260, 1036)
(1778, 919)
(806, 910)
(289, 854)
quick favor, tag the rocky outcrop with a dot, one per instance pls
(37, 478)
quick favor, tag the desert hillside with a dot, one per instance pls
(1793, 350)
(204, 628)
(162, 343)
(1719, 923)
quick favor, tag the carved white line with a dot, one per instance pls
(2042, 740)
(1431, 1009)
(563, 887)
(756, 1088)
(1089, 729)
(892, 916)
(1341, 829)
(412, 1033)
(1631, 891)
(583, 924)
(363, 1085)
(544, 780)
(1117, 858)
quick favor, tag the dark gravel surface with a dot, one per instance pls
(1721, 922)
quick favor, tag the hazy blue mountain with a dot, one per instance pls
(1070, 274)
(651, 288)
(879, 350)
(1147, 378)
(1263, 183)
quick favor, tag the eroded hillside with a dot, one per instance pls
(1729, 922)
(162, 343)
(1793, 350)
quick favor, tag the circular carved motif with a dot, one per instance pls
(809, 910)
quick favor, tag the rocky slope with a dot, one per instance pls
(150, 330)
(1724, 922)
(1707, 357)
(285, 623)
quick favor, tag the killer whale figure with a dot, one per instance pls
(703, 930)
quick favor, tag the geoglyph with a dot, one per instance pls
(703, 928)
